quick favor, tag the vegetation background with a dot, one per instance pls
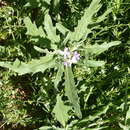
(41, 93)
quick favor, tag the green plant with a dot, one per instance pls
(75, 41)
(73, 73)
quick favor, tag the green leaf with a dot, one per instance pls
(92, 63)
(59, 75)
(47, 1)
(128, 114)
(81, 30)
(46, 128)
(103, 16)
(123, 127)
(88, 95)
(32, 3)
(2, 49)
(100, 112)
(96, 115)
(50, 128)
(71, 91)
(41, 50)
(34, 66)
(32, 29)
(100, 128)
(61, 111)
(36, 3)
(50, 29)
(61, 28)
(98, 49)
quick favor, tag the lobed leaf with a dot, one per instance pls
(103, 16)
(71, 91)
(98, 49)
(34, 66)
(32, 29)
(61, 28)
(50, 29)
(61, 111)
(81, 30)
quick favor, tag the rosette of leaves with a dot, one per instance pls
(48, 40)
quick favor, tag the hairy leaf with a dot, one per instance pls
(61, 111)
(61, 28)
(81, 30)
(98, 49)
(103, 16)
(38, 65)
(32, 29)
(50, 29)
(59, 75)
(71, 91)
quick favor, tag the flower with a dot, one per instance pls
(76, 57)
(69, 57)
(67, 53)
